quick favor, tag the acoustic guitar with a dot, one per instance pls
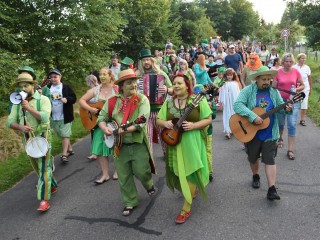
(244, 130)
(89, 120)
(173, 136)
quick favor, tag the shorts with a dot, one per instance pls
(61, 129)
(267, 149)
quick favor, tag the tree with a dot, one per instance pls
(71, 35)
(220, 13)
(308, 13)
(244, 20)
(145, 20)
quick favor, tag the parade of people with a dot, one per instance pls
(166, 126)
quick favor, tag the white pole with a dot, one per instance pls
(285, 44)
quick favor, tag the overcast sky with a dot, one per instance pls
(270, 10)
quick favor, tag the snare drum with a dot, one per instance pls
(37, 147)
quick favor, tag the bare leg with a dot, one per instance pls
(291, 143)
(104, 165)
(303, 114)
(255, 167)
(271, 173)
(65, 146)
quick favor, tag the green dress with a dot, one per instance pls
(187, 161)
(98, 146)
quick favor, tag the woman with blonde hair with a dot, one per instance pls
(185, 70)
(287, 78)
(306, 78)
(251, 67)
(102, 93)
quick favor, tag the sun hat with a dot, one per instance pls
(28, 70)
(24, 77)
(221, 69)
(264, 70)
(126, 75)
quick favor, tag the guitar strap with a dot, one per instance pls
(284, 90)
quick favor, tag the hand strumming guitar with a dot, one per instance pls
(258, 120)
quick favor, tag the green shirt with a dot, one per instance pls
(16, 115)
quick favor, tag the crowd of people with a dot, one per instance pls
(164, 88)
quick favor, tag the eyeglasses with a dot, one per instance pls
(252, 59)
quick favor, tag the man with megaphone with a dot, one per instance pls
(31, 116)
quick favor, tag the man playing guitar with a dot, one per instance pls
(260, 94)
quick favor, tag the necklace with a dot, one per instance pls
(180, 106)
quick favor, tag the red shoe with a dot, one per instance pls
(54, 190)
(183, 216)
(44, 206)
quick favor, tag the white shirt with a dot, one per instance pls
(57, 105)
(305, 72)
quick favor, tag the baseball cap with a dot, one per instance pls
(231, 46)
(55, 71)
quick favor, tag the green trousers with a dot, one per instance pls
(209, 153)
(43, 168)
(133, 160)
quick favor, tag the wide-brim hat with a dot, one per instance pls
(24, 77)
(263, 70)
(222, 69)
(29, 70)
(126, 75)
(127, 61)
(145, 53)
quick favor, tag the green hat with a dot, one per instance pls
(263, 70)
(145, 53)
(27, 69)
(127, 61)
(221, 70)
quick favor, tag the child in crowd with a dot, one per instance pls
(228, 94)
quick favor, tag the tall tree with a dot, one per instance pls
(244, 20)
(68, 34)
(145, 19)
(220, 13)
(308, 13)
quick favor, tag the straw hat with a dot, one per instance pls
(24, 77)
(126, 75)
(263, 70)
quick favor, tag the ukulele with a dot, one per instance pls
(173, 136)
(244, 130)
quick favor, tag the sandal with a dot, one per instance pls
(151, 191)
(70, 152)
(280, 143)
(127, 211)
(64, 158)
(290, 155)
(303, 123)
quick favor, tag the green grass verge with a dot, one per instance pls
(15, 168)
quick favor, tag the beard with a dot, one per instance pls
(265, 86)
(147, 67)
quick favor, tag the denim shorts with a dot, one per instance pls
(292, 119)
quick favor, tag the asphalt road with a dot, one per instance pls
(81, 210)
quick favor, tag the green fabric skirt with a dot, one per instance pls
(98, 146)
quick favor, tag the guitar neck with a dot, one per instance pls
(272, 111)
(184, 116)
(123, 127)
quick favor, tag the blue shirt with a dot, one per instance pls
(233, 61)
(264, 100)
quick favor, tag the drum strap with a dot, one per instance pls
(38, 109)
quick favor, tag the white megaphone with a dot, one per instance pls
(17, 97)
